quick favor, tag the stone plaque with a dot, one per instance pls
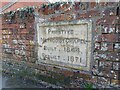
(66, 44)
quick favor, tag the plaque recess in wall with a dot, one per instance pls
(66, 44)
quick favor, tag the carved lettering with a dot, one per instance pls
(59, 32)
(65, 45)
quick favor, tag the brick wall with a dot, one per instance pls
(105, 65)
(18, 35)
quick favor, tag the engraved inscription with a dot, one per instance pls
(67, 45)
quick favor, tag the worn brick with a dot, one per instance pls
(83, 15)
(107, 20)
(103, 80)
(110, 11)
(106, 46)
(112, 56)
(107, 38)
(102, 4)
(67, 73)
(97, 46)
(117, 28)
(117, 47)
(93, 13)
(108, 28)
(115, 82)
(95, 71)
(110, 37)
(114, 74)
(98, 38)
(76, 6)
(94, 79)
(116, 65)
(111, 3)
(104, 68)
(98, 30)
(93, 4)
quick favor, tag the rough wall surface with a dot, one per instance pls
(105, 62)
(105, 17)
(18, 35)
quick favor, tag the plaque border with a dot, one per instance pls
(76, 22)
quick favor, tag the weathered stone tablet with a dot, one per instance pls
(66, 44)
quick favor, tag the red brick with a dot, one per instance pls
(93, 4)
(108, 28)
(24, 31)
(117, 47)
(107, 20)
(112, 56)
(98, 38)
(106, 65)
(110, 11)
(114, 75)
(107, 46)
(103, 4)
(103, 80)
(76, 6)
(105, 73)
(67, 73)
(117, 26)
(97, 46)
(94, 79)
(111, 3)
(81, 16)
(116, 66)
(110, 37)
(105, 28)
(93, 13)
(115, 82)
